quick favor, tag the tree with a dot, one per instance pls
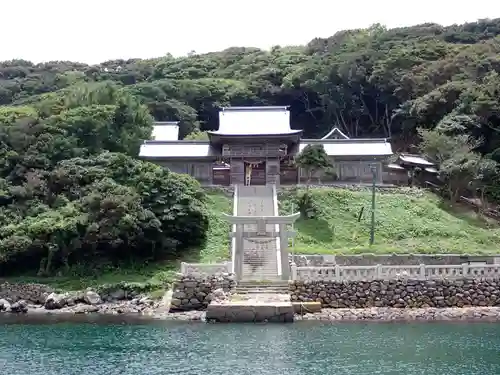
(197, 136)
(459, 164)
(486, 180)
(313, 158)
(66, 200)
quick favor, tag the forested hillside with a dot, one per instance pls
(65, 200)
(370, 82)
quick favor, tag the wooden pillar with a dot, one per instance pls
(272, 171)
(237, 172)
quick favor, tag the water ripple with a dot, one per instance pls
(201, 349)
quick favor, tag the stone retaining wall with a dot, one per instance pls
(390, 259)
(398, 293)
(195, 293)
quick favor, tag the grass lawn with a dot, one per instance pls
(217, 247)
(409, 221)
(156, 274)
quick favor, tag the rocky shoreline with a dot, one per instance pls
(391, 314)
(128, 301)
(41, 299)
(464, 314)
(157, 311)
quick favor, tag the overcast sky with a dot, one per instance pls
(93, 31)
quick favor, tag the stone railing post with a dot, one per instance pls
(293, 268)
(183, 268)
(422, 271)
(338, 276)
(465, 269)
(378, 272)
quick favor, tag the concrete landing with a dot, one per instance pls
(252, 308)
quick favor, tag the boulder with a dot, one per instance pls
(118, 295)
(4, 305)
(145, 301)
(19, 307)
(84, 309)
(58, 301)
(92, 298)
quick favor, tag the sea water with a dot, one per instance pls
(98, 346)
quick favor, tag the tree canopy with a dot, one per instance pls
(367, 82)
(73, 192)
(313, 158)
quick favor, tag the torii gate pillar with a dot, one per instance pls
(259, 225)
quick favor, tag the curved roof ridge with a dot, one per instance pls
(336, 130)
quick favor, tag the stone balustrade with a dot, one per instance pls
(370, 259)
(364, 273)
(383, 272)
(205, 269)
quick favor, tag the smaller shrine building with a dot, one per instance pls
(256, 146)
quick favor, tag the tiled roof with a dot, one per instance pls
(395, 166)
(333, 147)
(414, 159)
(176, 149)
(352, 147)
(254, 121)
(335, 133)
(165, 131)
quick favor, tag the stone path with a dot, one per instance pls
(260, 261)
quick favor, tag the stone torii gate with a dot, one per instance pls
(260, 224)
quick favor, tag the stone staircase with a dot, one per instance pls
(260, 294)
(260, 260)
(262, 287)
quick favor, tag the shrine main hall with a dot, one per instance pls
(256, 146)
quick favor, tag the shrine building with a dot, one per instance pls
(256, 146)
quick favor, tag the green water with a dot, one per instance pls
(301, 348)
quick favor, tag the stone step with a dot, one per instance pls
(269, 270)
(256, 283)
(257, 286)
(265, 262)
(263, 274)
(261, 291)
(261, 283)
(260, 269)
(256, 277)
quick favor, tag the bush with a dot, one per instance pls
(307, 207)
(108, 207)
